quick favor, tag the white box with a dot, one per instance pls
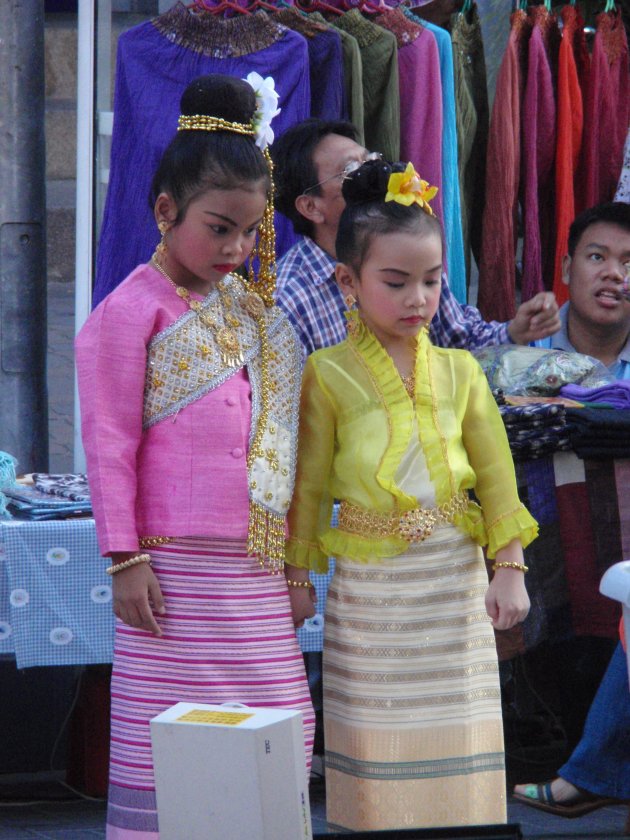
(230, 772)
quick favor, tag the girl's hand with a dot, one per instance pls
(136, 596)
(507, 601)
(303, 597)
(303, 602)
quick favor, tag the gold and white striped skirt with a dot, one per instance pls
(412, 706)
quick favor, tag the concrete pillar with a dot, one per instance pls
(23, 333)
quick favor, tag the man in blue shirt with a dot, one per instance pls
(310, 163)
(596, 318)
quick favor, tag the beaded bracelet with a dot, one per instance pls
(509, 565)
(301, 583)
(126, 564)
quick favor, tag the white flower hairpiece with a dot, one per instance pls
(266, 107)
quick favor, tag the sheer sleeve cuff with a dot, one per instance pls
(306, 555)
(517, 524)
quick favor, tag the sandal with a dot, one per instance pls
(541, 797)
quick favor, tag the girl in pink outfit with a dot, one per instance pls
(189, 380)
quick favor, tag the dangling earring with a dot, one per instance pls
(350, 301)
(162, 247)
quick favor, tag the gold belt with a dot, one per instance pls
(413, 525)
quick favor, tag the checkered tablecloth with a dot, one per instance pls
(55, 598)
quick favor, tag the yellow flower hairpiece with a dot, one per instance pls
(408, 188)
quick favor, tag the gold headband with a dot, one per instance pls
(201, 122)
(265, 250)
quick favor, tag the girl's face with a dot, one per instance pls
(216, 235)
(398, 287)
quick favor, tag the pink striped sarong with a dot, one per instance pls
(228, 637)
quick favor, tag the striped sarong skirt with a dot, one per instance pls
(228, 637)
(412, 707)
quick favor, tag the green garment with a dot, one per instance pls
(352, 74)
(381, 97)
(472, 118)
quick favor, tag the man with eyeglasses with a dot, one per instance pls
(311, 160)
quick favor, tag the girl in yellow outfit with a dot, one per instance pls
(399, 431)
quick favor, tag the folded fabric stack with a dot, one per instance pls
(50, 496)
(613, 395)
(600, 432)
(535, 430)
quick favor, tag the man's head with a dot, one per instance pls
(309, 160)
(596, 265)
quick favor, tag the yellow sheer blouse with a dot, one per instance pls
(356, 420)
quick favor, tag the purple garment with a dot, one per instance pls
(538, 152)
(326, 73)
(421, 122)
(153, 67)
(616, 395)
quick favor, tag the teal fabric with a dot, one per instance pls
(453, 235)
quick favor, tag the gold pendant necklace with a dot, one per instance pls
(225, 334)
(410, 384)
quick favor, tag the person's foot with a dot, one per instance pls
(562, 792)
(561, 798)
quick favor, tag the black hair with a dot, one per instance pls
(195, 160)
(612, 212)
(367, 214)
(294, 169)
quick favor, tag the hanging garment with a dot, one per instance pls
(471, 113)
(568, 136)
(538, 152)
(155, 61)
(352, 76)
(381, 116)
(325, 63)
(420, 87)
(451, 207)
(497, 276)
(606, 114)
(623, 187)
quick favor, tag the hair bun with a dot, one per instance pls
(369, 181)
(215, 95)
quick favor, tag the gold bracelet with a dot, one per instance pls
(126, 564)
(302, 583)
(509, 565)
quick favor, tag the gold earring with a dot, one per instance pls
(162, 247)
(350, 301)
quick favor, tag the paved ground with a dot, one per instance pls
(84, 819)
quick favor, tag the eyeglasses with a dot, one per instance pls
(348, 169)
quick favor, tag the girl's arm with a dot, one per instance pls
(301, 594)
(507, 601)
(311, 506)
(488, 452)
(111, 364)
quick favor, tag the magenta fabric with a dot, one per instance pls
(420, 86)
(181, 477)
(228, 637)
(538, 155)
(497, 274)
(606, 114)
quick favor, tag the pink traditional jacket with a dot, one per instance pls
(179, 470)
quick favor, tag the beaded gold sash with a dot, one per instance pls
(185, 362)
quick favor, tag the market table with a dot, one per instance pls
(55, 598)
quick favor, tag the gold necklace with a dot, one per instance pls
(225, 334)
(410, 384)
